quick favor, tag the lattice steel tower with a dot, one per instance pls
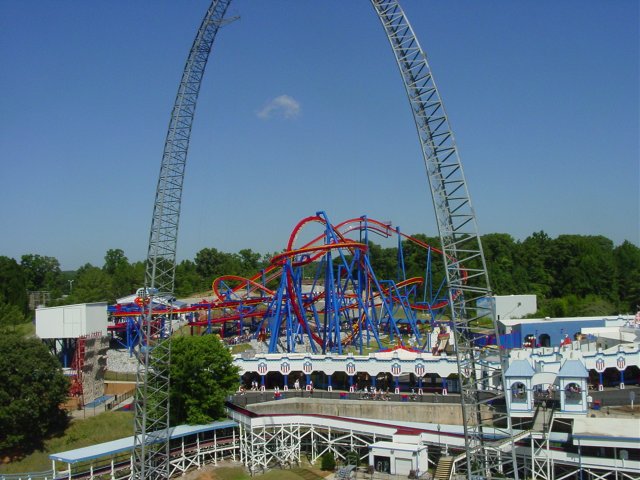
(151, 444)
(466, 270)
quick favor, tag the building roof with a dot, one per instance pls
(522, 321)
(573, 369)
(123, 444)
(607, 432)
(544, 378)
(520, 368)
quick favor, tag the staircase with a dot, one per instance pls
(542, 419)
(443, 471)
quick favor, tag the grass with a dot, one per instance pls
(80, 433)
(240, 348)
(183, 331)
(239, 473)
(27, 329)
(483, 322)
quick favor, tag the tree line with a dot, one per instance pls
(571, 274)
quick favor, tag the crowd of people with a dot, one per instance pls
(238, 339)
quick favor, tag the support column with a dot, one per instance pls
(233, 436)
(242, 443)
(197, 450)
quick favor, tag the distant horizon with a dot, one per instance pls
(302, 108)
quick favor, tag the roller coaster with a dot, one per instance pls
(343, 312)
(322, 295)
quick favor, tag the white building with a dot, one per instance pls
(71, 321)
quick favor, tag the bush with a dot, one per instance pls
(328, 462)
(352, 458)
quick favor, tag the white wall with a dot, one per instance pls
(515, 306)
(71, 321)
(402, 457)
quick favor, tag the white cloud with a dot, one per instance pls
(283, 106)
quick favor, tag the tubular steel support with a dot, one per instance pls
(464, 260)
(151, 451)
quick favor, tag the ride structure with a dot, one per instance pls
(322, 295)
(465, 267)
(151, 425)
(327, 296)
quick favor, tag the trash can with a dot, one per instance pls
(404, 397)
(597, 404)
(343, 396)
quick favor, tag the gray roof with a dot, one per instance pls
(123, 444)
(520, 368)
(573, 369)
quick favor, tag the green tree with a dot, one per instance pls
(211, 263)
(202, 375)
(92, 285)
(583, 265)
(188, 281)
(499, 250)
(42, 273)
(10, 317)
(534, 255)
(250, 262)
(125, 278)
(594, 305)
(627, 261)
(384, 261)
(114, 259)
(13, 287)
(32, 388)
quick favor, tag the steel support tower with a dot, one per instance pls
(465, 266)
(151, 444)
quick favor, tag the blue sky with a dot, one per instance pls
(302, 109)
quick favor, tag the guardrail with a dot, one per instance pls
(46, 475)
(252, 396)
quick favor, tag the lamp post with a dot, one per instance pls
(439, 444)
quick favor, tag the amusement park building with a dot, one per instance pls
(71, 321)
(551, 332)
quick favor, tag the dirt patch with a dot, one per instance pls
(206, 476)
(113, 388)
(208, 472)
